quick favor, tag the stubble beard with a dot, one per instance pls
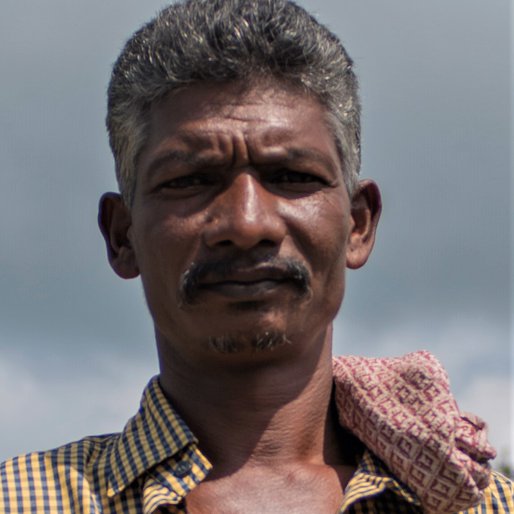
(260, 342)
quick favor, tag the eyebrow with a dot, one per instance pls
(196, 160)
(310, 153)
(179, 156)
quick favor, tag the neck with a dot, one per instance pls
(274, 413)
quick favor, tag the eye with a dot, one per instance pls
(189, 181)
(286, 176)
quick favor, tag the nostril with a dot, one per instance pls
(268, 243)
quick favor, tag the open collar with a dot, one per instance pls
(154, 435)
(372, 478)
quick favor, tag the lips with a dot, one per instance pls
(239, 278)
(246, 283)
(243, 290)
(246, 276)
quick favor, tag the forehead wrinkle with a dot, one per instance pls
(285, 148)
(248, 136)
(266, 145)
(235, 145)
(175, 152)
(224, 147)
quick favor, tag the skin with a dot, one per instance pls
(246, 175)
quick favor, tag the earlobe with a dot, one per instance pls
(115, 221)
(365, 213)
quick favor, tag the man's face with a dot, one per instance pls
(241, 219)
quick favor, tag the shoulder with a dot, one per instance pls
(54, 480)
(498, 496)
(78, 454)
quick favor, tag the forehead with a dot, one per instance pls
(268, 114)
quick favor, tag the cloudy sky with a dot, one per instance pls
(76, 344)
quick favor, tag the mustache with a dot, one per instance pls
(289, 269)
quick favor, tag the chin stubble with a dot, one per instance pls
(257, 342)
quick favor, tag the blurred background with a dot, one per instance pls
(76, 342)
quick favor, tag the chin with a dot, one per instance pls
(256, 342)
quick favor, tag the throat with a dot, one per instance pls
(274, 413)
(303, 488)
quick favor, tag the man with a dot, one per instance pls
(235, 130)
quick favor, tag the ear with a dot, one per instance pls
(115, 221)
(365, 212)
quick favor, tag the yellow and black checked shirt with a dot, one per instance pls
(152, 465)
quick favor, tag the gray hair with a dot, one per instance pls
(222, 41)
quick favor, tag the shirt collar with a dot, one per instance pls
(156, 438)
(371, 478)
(155, 434)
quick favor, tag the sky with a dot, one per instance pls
(76, 342)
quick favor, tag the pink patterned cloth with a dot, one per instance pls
(403, 411)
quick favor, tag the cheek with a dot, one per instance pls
(321, 235)
(331, 264)
(321, 231)
(164, 246)
(331, 239)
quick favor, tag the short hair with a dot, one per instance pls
(226, 41)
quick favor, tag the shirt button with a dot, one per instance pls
(182, 468)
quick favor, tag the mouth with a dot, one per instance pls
(241, 290)
(243, 281)
(250, 284)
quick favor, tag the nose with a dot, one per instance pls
(245, 214)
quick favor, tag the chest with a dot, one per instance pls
(296, 491)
